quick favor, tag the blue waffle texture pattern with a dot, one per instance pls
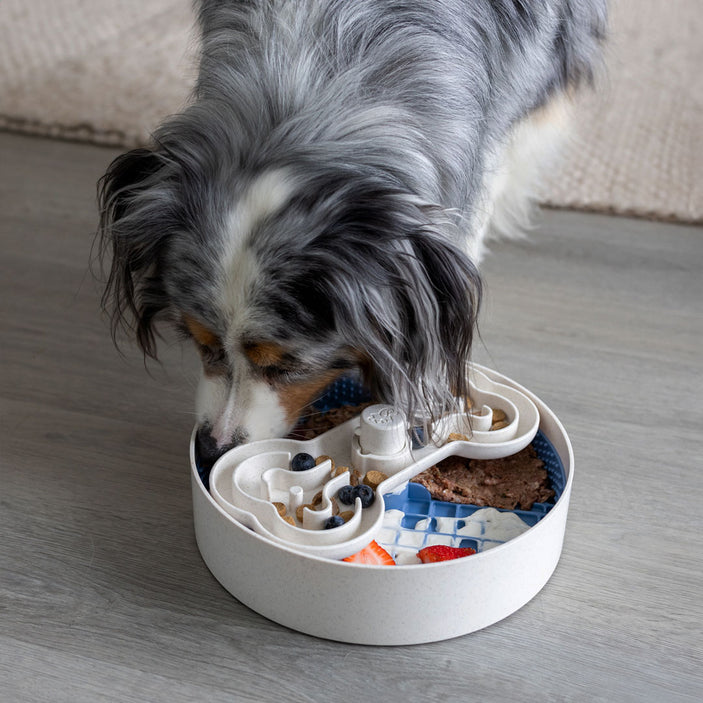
(427, 521)
(346, 390)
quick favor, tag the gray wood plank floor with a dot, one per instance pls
(103, 595)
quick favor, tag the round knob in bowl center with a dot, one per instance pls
(382, 430)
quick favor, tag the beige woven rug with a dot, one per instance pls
(108, 72)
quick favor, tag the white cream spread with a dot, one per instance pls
(487, 526)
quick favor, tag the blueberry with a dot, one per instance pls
(346, 495)
(365, 493)
(334, 521)
(302, 462)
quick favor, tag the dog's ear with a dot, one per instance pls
(409, 306)
(129, 230)
(450, 297)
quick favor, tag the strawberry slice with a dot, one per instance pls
(372, 553)
(440, 552)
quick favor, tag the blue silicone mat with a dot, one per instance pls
(426, 521)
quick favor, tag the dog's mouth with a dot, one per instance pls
(207, 449)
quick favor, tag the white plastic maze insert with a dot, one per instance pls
(301, 509)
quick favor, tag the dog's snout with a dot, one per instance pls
(208, 449)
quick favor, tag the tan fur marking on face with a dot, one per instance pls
(201, 334)
(264, 353)
(296, 396)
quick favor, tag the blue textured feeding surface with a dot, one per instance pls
(426, 521)
(346, 390)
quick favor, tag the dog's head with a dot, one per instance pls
(284, 276)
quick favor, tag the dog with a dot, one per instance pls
(322, 204)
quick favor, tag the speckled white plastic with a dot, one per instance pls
(383, 605)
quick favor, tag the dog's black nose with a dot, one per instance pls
(206, 446)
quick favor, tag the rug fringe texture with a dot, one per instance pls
(108, 73)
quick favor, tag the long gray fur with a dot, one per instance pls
(386, 113)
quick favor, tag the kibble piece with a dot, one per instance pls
(280, 507)
(337, 471)
(289, 520)
(347, 515)
(499, 425)
(299, 511)
(456, 437)
(374, 479)
(355, 478)
(322, 458)
(498, 415)
(317, 499)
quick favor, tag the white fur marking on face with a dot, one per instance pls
(210, 401)
(265, 417)
(264, 197)
(241, 403)
(248, 405)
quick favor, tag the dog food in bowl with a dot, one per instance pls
(461, 594)
(510, 482)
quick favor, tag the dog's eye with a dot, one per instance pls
(208, 343)
(275, 373)
(264, 354)
(212, 356)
